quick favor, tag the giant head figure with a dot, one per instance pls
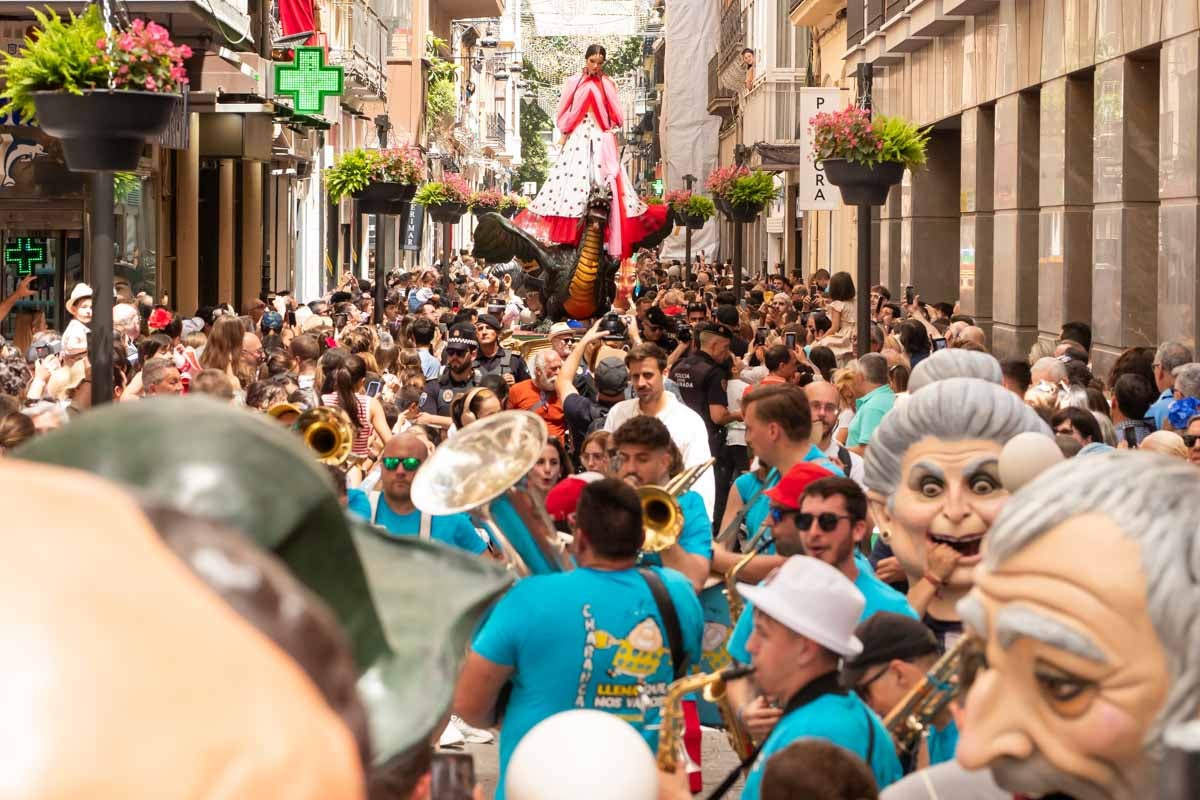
(932, 474)
(1084, 612)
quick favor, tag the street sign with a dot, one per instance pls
(414, 224)
(308, 81)
(24, 254)
(815, 192)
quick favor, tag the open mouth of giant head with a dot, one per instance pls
(967, 545)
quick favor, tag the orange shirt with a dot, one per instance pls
(527, 396)
(767, 381)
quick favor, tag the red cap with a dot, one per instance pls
(562, 499)
(786, 493)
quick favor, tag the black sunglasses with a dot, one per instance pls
(861, 689)
(391, 463)
(1189, 440)
(828, 521)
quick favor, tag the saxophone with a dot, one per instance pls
(908, 720)
(712, 686)
(759, 542)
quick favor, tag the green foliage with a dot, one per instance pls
(902, 141)
(756, 189)
(61, 56)
(124, 184)
(535, 164)
(441, 103)
(350, 173)
(433, 193)
(623, 60)
(699, 206)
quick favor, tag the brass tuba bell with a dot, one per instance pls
(662, 518)
(328, 432)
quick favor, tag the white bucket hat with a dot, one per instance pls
(81, 292)
(813, 599)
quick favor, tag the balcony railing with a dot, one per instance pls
(720, 97)
(495, 128)
(772, 113)
(358, 41)
(733, 34)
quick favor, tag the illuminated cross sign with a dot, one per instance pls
(24, 254)
(307, 80)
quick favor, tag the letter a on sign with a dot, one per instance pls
(816, 194)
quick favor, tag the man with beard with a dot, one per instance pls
(932, 474)
(1078, 664)
(494, 359)
(459, 374)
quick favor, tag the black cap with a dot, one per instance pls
(886, 636)
(710, 327)
(462, 337)
(657, 318)
(727, 315)
(491, 321)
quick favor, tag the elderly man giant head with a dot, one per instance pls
(932, 472)
(1084, 608)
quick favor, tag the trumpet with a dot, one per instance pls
(661, 514)
(908, 720)
(712, 687)
(326, 430)
(759, 542)
(481, 471)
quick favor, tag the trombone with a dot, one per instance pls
(662, 517)
(326, 430)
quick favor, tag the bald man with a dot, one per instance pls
(975, 334)
(393, 508)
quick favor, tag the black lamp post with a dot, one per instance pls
(688, 180)
(864, 75)
(100, 342)
(382, 126)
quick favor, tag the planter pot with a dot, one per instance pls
(744, 213)
(862, 185)
(448, 212)
(693, 221)
(383, 197)
(101, 130)
(723, 206)
(479, 212)
(509, 213)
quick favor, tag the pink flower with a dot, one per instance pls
(150, 83)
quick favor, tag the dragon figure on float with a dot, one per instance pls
(586, 219)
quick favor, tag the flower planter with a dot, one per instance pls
(510, 212)
(744, 213)
(479, 212)
(723, 206)
(862, 185)
(383, 197)
(693, 221)
(102, 130)
(447, 212)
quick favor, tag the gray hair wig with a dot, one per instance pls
(955, 364)
(952, 409)
(1153, 500)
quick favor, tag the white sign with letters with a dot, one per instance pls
(815, 191)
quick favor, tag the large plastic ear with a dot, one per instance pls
(879, 511)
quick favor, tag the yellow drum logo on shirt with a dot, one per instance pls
(639, 654)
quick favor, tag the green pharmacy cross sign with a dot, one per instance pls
(24, 254)
(307, 80)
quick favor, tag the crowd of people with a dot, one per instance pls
(845, 487)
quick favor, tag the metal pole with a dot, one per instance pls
(447, 249)
(688, 180)
(100, 344)
(380, 266)
(863, 281)
(737, 260)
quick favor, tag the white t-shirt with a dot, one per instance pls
(687, 431)
(856, 464)
(735, 432)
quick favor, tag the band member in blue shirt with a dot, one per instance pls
(646, 456)
(589, 638)
(804, 620)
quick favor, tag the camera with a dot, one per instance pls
(613, 327)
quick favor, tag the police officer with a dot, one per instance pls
(460, 373)
(492, 359)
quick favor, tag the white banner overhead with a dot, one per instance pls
(815, 192)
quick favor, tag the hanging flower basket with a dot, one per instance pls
(723, 206)
(103, 130)
(739, 212)
(385, 197)
(447, 212)
(693, 221)
(863, 185)
(509, 212)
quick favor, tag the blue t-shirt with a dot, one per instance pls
(879, 597)
(586, 639)
(840, 718)
(455, 530)
(696, 536)
(942, 743)
(747, 484)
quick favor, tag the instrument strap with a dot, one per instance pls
(666, 609)
(426, 519)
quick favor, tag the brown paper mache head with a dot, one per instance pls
(1085, 646)
(932, 474)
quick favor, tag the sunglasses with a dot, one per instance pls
(1189, 440)
(828, 521)
(392, 463)
(861, 689)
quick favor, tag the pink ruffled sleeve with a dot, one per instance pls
(562, 117)
(613, 101)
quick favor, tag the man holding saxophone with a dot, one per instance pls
(599, 636)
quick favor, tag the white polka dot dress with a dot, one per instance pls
(565, 192)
